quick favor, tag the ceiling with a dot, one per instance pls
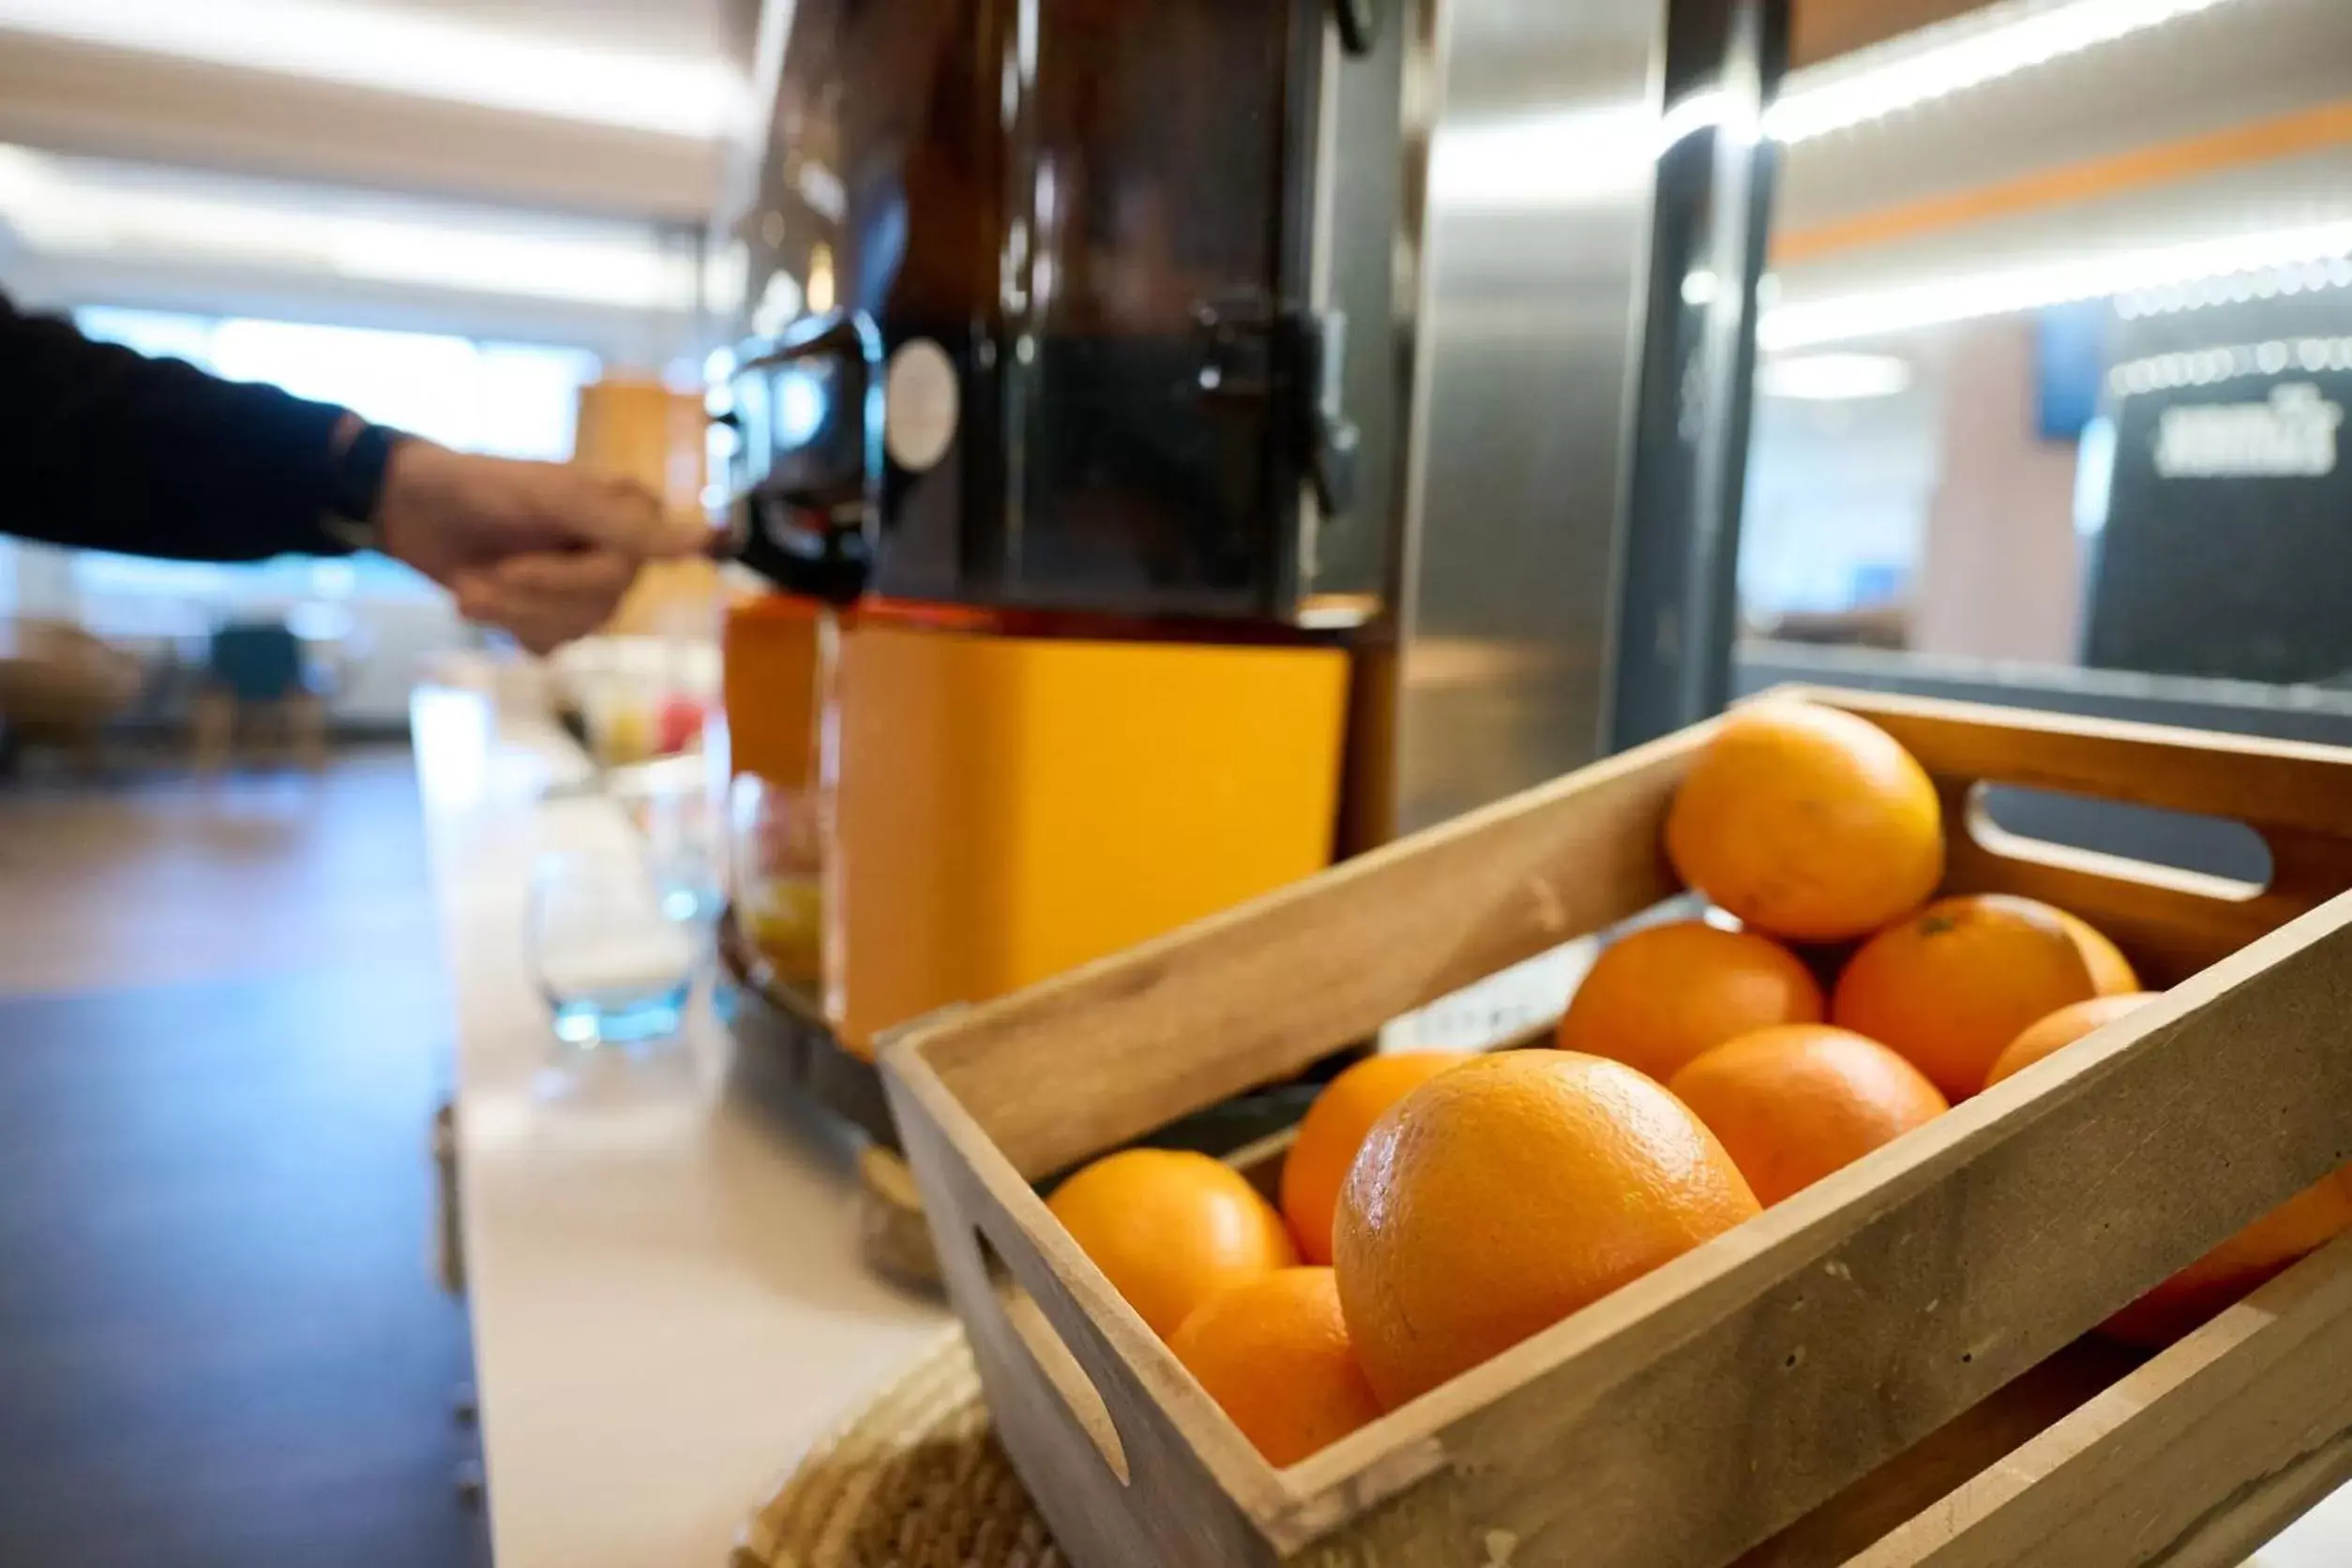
(1823, 29)
(173, 81)
(2225, 127)
(612, 106)
(622, 109)
(2234, 62)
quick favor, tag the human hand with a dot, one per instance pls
(542, 550)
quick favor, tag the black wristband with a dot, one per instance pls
(357, 495)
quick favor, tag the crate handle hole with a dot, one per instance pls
(1061, 1367)
(2209, 857)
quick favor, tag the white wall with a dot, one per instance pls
(1950, 479)
(2001, 569)
(1835, 487)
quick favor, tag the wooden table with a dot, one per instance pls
(668, 1305)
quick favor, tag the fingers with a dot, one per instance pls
(447, 513)
(618, 513)
(547, 600)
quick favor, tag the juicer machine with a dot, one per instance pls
(1188, 443)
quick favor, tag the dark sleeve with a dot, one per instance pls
(103, 448)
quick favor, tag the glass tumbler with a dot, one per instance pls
(780, 884)
(612, 948)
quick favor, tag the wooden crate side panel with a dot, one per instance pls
(1955, 1454)
(2298, 797)
(1833, 1534)
(2309, 867)
(1700, 1411)
(2173, 926)
(2197, 1459)
(2264, 783)
(1191, 1481)
(1255, 995)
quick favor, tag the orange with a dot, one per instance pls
(1950, 987)
(2297, 1228)
(1796, 1102)
(1658, 997)
(2110, 970)
(1497, 1199)
(1273, 1352)
(1171, 1228)
(1332, 1132)
(2063, 1029)
(1807, 823)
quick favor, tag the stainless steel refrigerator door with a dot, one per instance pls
(1531, 322)
(1596, 192)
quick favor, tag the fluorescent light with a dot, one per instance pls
(1565, 159)
(1828, 378)
(404, 50)
(2310, 276)
(1969, 52)
(57, 207)
(2209, 366)
(1584, 155)
(2003, 292)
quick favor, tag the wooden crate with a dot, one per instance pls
(1803, 1388)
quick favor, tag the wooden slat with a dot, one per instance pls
(2297, 796)
(2195, 1459)
(1194, 1484)
(2264, 783)
(2172, 925)
(1135, 1042)
(1963, 1448)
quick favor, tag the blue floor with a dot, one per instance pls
(220, 1343)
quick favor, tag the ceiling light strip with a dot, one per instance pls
(1971, 296)
(2165, 372)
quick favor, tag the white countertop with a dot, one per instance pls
(668, 1305)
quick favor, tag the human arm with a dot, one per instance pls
(105, 448)
(108, 449)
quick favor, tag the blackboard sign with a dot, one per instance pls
(2227, 550)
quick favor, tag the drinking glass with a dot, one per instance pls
(612, 947)
(778, 878)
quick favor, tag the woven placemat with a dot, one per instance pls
(914, 1480)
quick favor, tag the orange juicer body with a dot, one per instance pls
(1008, 796)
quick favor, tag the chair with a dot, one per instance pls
(60, 685)
(257, 668)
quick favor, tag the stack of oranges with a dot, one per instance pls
(1437, 1209)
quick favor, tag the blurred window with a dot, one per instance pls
(509, 400)
(2054, 353)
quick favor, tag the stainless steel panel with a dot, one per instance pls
(1536, 273)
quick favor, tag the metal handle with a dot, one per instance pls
(1253, 347)
(1359, 24)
